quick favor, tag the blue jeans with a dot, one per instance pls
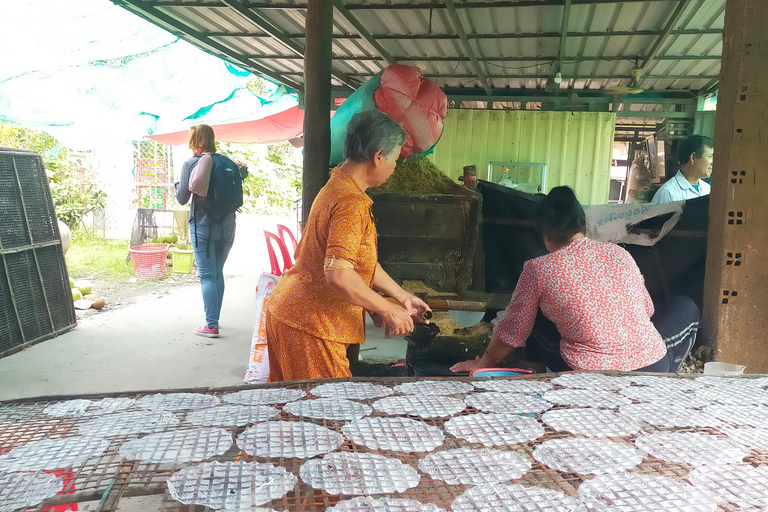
(211, 245)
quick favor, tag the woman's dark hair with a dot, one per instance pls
(693, 144)
(561, 216)
(371, 131)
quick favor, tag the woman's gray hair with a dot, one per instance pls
(372, 131)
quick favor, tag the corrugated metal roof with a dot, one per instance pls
(517, 45)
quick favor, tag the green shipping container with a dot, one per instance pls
(576, 146)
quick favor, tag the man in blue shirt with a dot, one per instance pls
(695, 157)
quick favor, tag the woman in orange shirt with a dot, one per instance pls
(318, 308)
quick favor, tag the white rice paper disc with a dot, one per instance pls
(383, 505)
(591, 381)
(654, 395)
(291, 439)
(177, 401)
(422, 406)
(748, 437)
(587, 456)
(671, 383)
(735, 394)
(691, 448)
(128, 422)
(270, 396)
(712, 380)
(494, 429)
(67, 409)
(178, 446)
(434, 387)
(664, 415)
(746, 487)
(515, 386)
(396, 434)
(27, 490)
(352, 390)
(231, 415)
(235, 486)
(591, 422)
(358, 474)
(515, 498)
(465, 466)
(586, 398)
(749, 415)
(512, 403)
(53, 453)
(339, 409)
(633, 492)
(110, 405)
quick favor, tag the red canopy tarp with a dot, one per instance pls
(284, 125)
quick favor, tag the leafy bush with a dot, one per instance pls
(75, 194)
(274, 182)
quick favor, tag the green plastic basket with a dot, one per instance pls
(182, 261)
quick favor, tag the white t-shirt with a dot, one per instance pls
(680, 189)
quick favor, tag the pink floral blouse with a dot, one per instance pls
(595, 295)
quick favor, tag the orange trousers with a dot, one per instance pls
(297, 355)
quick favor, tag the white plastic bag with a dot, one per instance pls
(258, 363)
(612, 222)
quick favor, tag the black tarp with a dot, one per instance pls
(673, 266)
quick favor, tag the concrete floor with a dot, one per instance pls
(149, 345)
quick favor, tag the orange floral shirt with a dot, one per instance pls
(340, 234)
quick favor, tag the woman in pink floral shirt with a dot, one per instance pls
(595, 299)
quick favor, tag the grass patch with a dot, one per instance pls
(92, 256)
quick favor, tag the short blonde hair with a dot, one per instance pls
(201, 136)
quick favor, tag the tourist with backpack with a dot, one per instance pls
(213, 185)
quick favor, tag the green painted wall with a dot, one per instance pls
(576, 146)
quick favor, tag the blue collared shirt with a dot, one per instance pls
(680, 189)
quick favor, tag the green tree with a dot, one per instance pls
(75, 194)
(273, 183)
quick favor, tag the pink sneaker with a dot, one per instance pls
(208, 332)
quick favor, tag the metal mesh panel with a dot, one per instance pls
(10, 335)
(13, 230)
(56, 283)
(37, 203)
(28, 294)
(28, 228)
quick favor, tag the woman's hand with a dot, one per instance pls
(415, 307)
(397, 321)
(467, 366)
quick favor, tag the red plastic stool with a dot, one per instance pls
(287, 262)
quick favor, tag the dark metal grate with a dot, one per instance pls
(37, 201)
(28, 294)
(10, 334)
(35, 301)
(56, 283)
(13, 230)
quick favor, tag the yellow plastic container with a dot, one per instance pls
(182, 261)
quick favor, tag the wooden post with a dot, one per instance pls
(317, 94)
(735, 316)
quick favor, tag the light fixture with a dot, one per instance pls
(558, 78)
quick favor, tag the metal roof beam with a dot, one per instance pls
(453, 14)
(676, 14)
(544, 77)
(531, 35)
(563, 32)
(543, 60)
(362, 32)
(411, 6)
(147, 11)
(281, 36)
